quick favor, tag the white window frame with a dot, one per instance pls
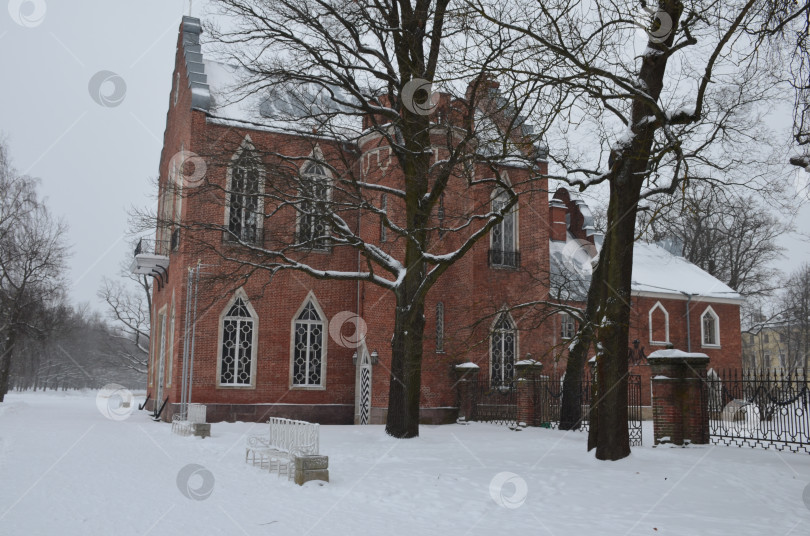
(716, 344)
(492, 331)
(316, 159)
(324, 344)
(564, 317)
(498, 197)
(658, 305)
(254, 345)
(246, 145)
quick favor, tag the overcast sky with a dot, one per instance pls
(96, 159)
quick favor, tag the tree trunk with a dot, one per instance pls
(571, 406)
(404, 388)
(608, 424)
(608, 432)
(5, 362)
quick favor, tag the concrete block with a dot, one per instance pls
(311, 467)
(201, 429)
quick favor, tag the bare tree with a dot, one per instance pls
(129, 306)
(32, 263)
(731, 236)
(794, 321)
(645, 112)
(73, 354)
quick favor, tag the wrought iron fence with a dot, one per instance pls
(546, 396)
(153, 246)
(494, 402)
(498, 403)
(759, 408)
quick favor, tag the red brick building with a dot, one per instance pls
(284, 345)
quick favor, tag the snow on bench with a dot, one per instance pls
(286, 439)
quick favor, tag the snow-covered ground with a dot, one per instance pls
(66, 469)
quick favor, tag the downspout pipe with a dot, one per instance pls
(688, 322)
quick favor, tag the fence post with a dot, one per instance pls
(466, 378)
(528, 374)
(678, 387)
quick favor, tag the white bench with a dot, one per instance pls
(284, 440)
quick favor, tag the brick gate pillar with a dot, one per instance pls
(466, 378)
(679, 412)
(528, 374)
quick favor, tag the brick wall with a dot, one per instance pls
(468, 290)
(727, 355)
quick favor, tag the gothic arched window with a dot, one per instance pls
(503, 345)
(313, 191)
(308, 346)
(244, 197)
(238, 347)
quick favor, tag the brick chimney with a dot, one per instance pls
(556, 214)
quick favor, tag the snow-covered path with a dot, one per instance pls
(65, 469)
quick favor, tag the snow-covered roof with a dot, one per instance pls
(303, 110)
(655, 270)
(232, 95)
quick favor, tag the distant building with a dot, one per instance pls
(774, 345)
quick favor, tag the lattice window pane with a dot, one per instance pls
(503, 348)
(498, 229)
(503, 247)
(313, 227)
(237, 345)
(509, 232)
(497, 358)
(239, 309)
(228, 351)
(308, 347)
(568, 326)
(300, 355)
(709, 336)
(244, 199)
(309, 313)
(508, 356)
(315, 341)
(245, 352)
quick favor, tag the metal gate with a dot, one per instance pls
(546, 395)
(494, 403)
(498, 403)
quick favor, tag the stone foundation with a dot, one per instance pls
(315, 413)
